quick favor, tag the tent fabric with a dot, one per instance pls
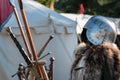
(81, 20)
(43, 22)
(46, 15)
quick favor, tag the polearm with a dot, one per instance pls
(43, 48)
(29, 35)
(51, 66)
(24, 55)
(39, 68)
(27, 30)
(22, 32)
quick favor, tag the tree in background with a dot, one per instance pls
(44, 2)
(48, 3)
(52, 4)
(109, 8)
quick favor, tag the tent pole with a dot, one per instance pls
(39, 68)
(22, 32)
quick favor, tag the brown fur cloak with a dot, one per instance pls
(90, 62)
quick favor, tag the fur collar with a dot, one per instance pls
(94, 59)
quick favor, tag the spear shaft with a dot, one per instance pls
(22, 32)
(35, 57)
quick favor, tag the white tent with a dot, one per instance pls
(43, 22)
(81, 20)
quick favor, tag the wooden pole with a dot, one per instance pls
(27, 30)
(29, 35)
(22, 32)
(52, 5)
(43, 48)
(39, 69)
(51, 66)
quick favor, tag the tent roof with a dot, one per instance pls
(39, 15)
(79, 18)
(82, 19)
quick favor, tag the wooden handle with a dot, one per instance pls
(29, 36)
(43, 48)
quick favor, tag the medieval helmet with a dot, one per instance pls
(100, 30)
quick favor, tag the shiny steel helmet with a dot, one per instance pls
(100, 30)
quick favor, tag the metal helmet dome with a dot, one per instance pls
(100, 30)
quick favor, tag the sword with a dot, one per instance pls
(24, 55)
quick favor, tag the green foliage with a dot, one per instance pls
(103, 2)
(109, 8)
(46, 2)
(72, 6)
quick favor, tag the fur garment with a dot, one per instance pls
(89, 62)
